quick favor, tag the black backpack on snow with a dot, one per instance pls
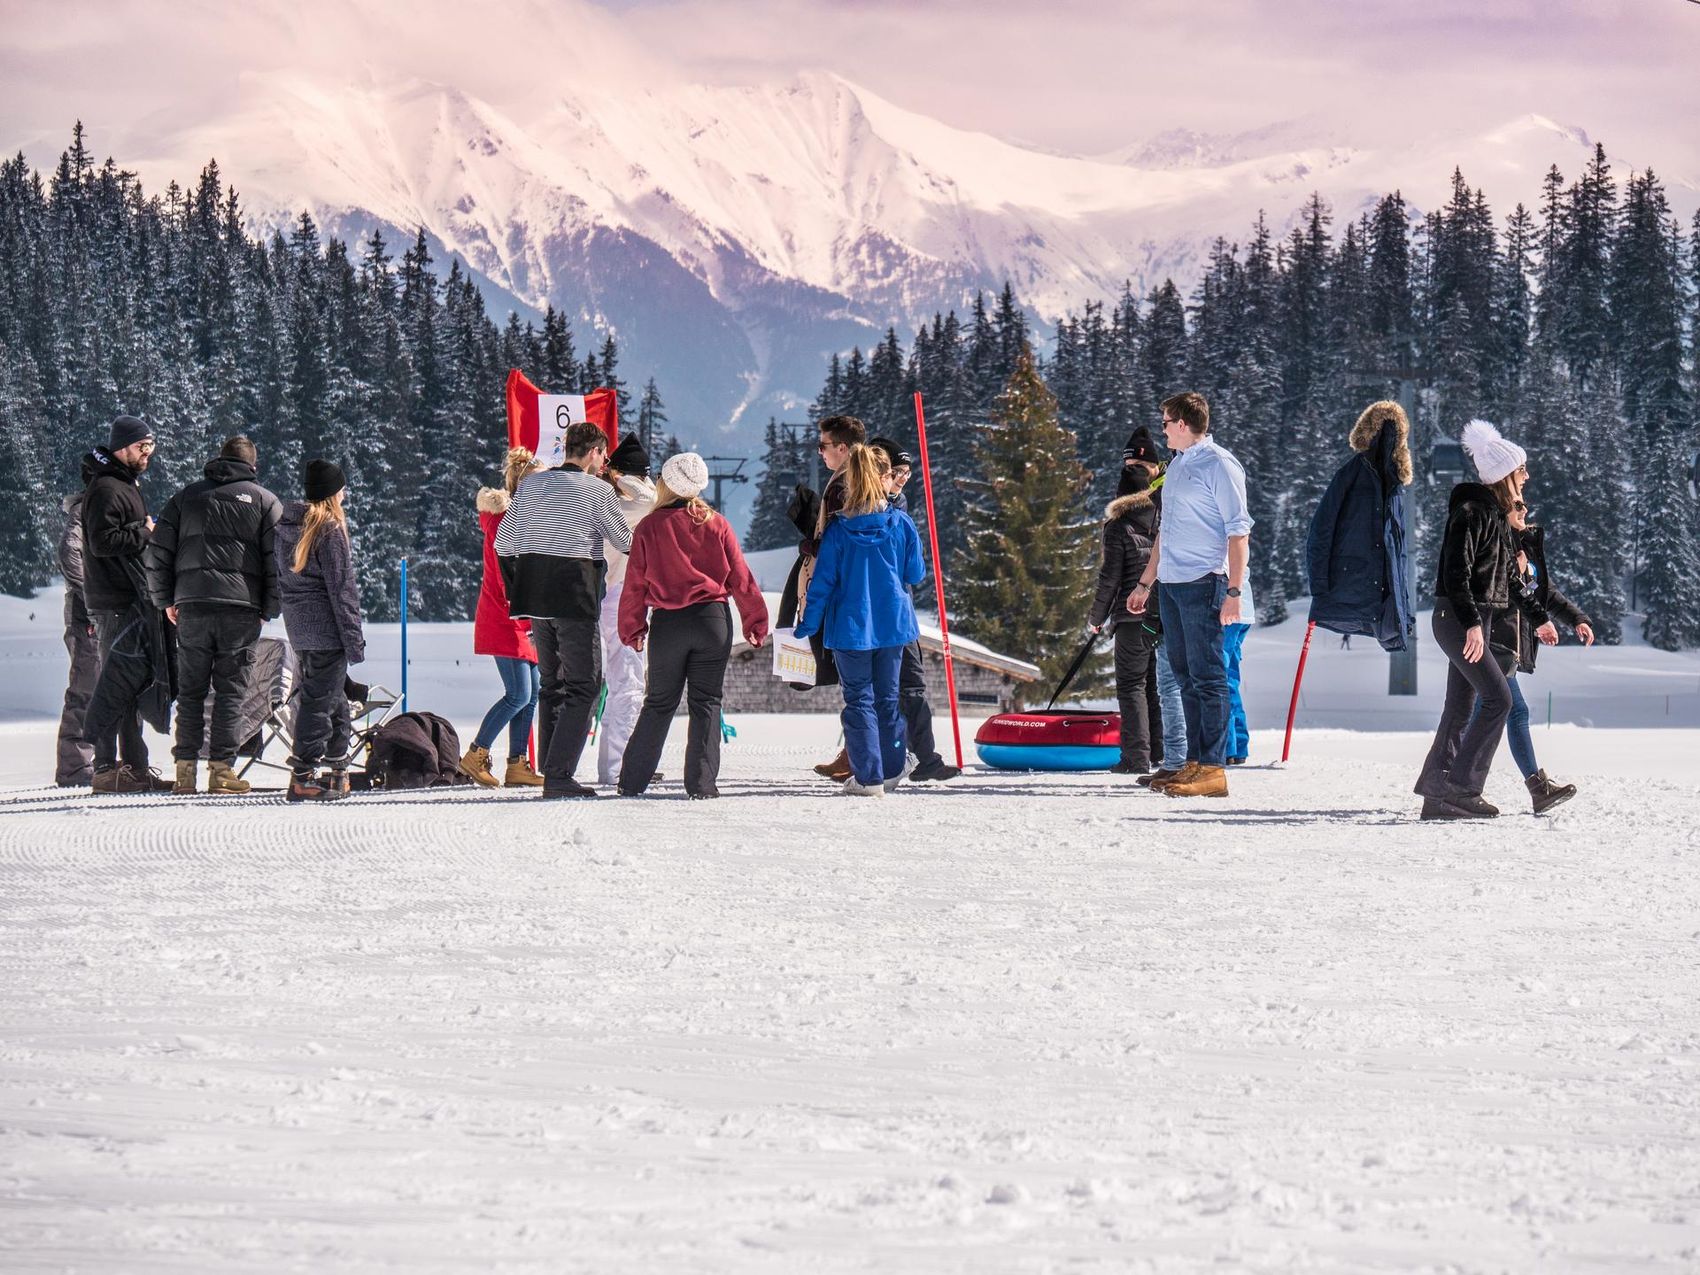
(416, 750)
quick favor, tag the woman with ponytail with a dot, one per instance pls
(683, 565)
(870, 557)
(321, 612)
(506, 640)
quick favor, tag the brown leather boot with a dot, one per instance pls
(1184, 775)
(222, 778)
(1206, 781)
(1158, 776)
(185, 785)
(476, 766)
(838, 769)
(519, 774)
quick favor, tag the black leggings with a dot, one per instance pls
(1463, 749)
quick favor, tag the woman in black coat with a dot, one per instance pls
(1478, 560)
(1130, 529)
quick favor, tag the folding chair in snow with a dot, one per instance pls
(275, 686)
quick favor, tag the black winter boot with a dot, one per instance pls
(1545, 794)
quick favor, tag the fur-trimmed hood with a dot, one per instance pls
(492, 500)
(1127, 504)
(1368, 429)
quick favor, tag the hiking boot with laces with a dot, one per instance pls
(222, 780)
(1544, 793)
(519, 774)
(476, 766)
(186, 779)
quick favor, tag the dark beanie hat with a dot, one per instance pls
(1141, 446)
(893, 453)
(629, 457)
(127, 430)
(324, 480)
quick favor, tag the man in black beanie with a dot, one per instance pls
(116, 528)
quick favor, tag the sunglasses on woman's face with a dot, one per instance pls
(1519, 507)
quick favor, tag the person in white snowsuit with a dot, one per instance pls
(623, 669)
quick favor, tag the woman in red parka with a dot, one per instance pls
(496, 633)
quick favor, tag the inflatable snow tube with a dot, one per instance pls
(1050, 741)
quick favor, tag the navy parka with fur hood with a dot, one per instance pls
(1357, 548)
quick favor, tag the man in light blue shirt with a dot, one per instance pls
(1203, 545)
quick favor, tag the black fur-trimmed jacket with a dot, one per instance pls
(1478, 558)
(1130, 528)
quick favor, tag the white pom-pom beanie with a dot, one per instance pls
(1495, 455)
(685, 474)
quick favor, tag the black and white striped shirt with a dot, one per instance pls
(562, 513)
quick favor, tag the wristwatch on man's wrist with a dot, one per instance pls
(1233, 593)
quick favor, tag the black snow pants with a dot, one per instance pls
(215, 651)
(916, 708)
(74, 767)
(687, 648)
(1136, 691)
(113, 722)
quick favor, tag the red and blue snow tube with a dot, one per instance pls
(1050, 741)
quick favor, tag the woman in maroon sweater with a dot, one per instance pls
(684, 564)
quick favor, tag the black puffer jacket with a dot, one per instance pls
(213, 543)
(1538, 600)
(1478, 558)
(115, 527)
(71, 562)
(1130, 528)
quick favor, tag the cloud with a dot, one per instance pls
(1080, 76)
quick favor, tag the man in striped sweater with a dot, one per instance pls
(550, 549)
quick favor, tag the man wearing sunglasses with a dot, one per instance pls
(1200, 554)
(116, 529)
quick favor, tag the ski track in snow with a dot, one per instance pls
(1019, 1023)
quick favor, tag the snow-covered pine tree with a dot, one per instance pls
(769, 527)
(1647, 303)
(652, 415)
(1024, 580)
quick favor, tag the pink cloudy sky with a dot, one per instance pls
(1073, 75)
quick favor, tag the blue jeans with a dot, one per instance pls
(516, 707)
(874, 734)
(1192, 630)
(1517, 728)
(1239, 730)
(1174, 719)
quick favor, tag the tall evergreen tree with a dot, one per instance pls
(1027, 569)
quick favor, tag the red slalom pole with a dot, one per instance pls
(938, 576)
(1293, 708)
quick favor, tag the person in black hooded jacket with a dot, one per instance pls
(212, 568)
(1130, 527)
(1477, 564)
(130, 631)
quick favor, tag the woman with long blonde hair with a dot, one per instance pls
(321, 612)
(507, 641)
(870, 557)
(684, 565)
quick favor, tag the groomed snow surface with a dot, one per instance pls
(1018, 1023)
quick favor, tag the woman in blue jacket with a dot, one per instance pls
(870, 557)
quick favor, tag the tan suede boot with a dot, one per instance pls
(476, 766)
(222, 778)
(185, 785)
(1206, 781)
(520, 774)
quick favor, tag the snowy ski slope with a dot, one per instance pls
(1014, 1024)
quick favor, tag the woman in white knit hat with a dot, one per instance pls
(1477, 576)
(684, 565)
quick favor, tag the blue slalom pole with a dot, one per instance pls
(404, 635)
